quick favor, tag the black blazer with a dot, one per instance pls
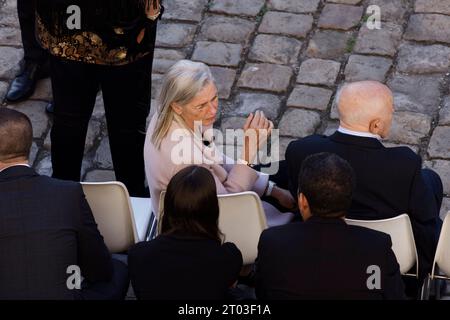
(46, 225)
(183, 268)
(325, 259)
(388, 183)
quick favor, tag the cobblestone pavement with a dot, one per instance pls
(288, 58)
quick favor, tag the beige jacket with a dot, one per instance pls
(162, 164)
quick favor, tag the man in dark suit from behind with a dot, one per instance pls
(323, 257)
(389, 181)
(48, 235)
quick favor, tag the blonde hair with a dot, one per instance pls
(182, 82)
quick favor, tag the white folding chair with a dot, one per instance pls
(241, 220)
(121, 220)
(403, 244)
(441, 263)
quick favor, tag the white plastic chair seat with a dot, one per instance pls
(400, 230)
(442, 256)
(142, 211)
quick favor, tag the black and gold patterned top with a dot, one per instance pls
(90, 47)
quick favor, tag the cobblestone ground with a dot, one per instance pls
(288, 58)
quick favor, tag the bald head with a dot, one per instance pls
(366, 106)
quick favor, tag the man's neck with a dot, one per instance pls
(4, 166)
(358, 133)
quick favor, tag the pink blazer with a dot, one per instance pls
(181, 148)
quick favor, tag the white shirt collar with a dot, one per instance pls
(358, 133)
(16, 165)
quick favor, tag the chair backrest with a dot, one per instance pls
(241, 220)
(442, 256)
(400, 230)
(110, 205)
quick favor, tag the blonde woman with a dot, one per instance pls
(178, 136)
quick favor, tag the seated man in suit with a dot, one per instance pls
(48, 237)
(389, 181)
(323, 257)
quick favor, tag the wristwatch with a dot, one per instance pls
(270, 186)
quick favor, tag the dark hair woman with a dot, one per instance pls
(187, 260)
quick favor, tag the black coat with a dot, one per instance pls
(326, 259)
(388, 183)
(46, 226)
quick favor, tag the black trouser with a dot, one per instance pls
(126, 94)
(116, 289)
(32, 49)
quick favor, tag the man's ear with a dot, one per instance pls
(303, 205)
(176, 108)
(376, 126)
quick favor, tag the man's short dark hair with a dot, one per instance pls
(327, 181)
(16, 135)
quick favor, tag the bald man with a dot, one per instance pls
(390, 181)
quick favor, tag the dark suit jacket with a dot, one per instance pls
(388, 183)
(326, 259)
(46, 225)
(178, 267)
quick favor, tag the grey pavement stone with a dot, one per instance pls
(309, 98)
(339, 16)
(392, 145)
(99, 108)
(418, 93)
(428, 27)
(33, 153)
(318, 71)
(328, 44)
(233, 123)
(103, 155)
(233, 7)
(9, 62)
(423, 59)
(432, 6)
(174, 35)
(247, 103)
(444, 113)
(224, 79)
(442, 167)
(282, 146)
(298, 123)
(275, 49)
(331, 128)
(218, 53)
(156, 85)
(187, 10)
(165, 58)
(226, 29)
(44, 167)
(100, 176)
(43, 90)
(345, 1)
(297, 25)
(35, 111)
(439, 146)
(445, 209)
(10, 36)
(231, 138)
(3, 89)
(298, 6)
(409, 127)
(265, 76)
(8, 14)
(367, 68)
(334, 113)
(382, 41)
(391, 10)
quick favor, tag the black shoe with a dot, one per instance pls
(24, 84)
(50, 107)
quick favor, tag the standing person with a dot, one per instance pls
(188, 260)
(34, 58)
(109, 47)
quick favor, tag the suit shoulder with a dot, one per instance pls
(404, 153)
(61, 185)
(302, 142)
(371, 237)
